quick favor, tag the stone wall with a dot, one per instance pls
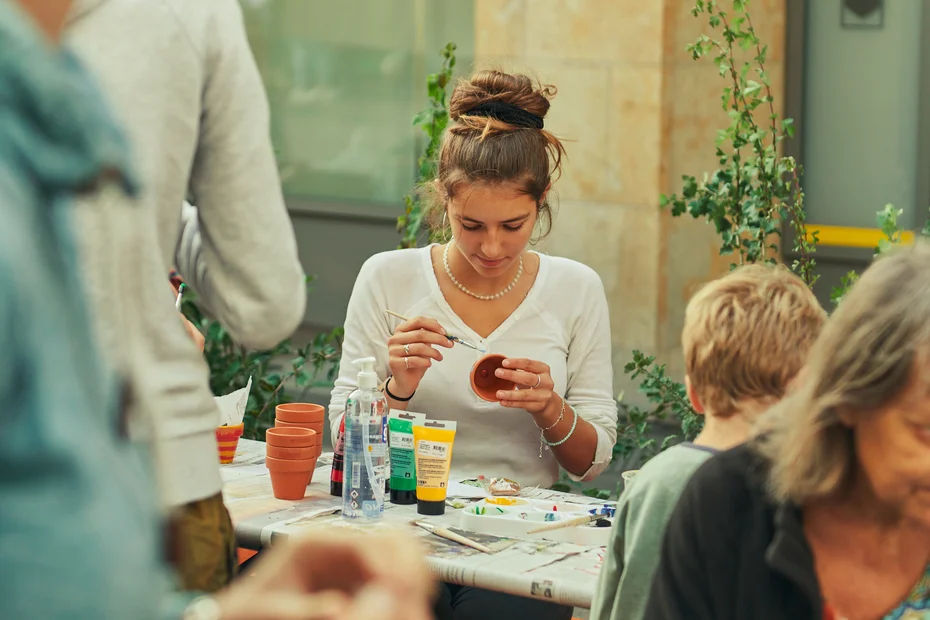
(637, 114)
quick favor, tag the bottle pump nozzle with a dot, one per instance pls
(367, 377)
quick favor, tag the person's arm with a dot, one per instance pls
(590, 389)
(248, 274)
(366, 335)
(608, 582)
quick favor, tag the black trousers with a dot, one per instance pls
(466, 603)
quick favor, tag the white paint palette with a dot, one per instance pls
(513, 517)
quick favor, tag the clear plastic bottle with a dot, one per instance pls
(365, 447)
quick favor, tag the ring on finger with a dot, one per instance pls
(407, 363)
(407, 350)
(538, 381)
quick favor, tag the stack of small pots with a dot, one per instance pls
(292, 448)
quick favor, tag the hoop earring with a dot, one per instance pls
(446, 231)
(537, 236)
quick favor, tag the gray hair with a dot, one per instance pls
(865, 356)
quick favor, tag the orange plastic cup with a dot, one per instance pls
(227, 440)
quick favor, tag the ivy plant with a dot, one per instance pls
(746, 198)
(432, 120)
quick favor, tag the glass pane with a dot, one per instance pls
(344, 80)
(860, 117)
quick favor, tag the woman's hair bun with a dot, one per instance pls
(514, 89)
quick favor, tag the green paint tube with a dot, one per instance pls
(403, 465)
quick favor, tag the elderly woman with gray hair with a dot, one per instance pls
(826, 513)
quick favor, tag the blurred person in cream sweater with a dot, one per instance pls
(181, 78)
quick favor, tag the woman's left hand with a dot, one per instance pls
(535, 387)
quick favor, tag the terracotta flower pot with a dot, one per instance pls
(289, 478)
(291, 437)
(316, 427)
(300, 413)
(483, 380)
(227, 440)
(310, 476)
(279, 452)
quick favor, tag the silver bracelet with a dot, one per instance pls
(549, 428)
(571, 431)
(561, 415)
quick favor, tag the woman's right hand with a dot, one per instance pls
(412, 351)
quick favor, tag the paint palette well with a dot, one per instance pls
(514, 521)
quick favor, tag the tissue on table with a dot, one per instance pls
(232, 406)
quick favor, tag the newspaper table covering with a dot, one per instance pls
(561, 572)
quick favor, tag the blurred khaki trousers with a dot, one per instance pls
(202, 545)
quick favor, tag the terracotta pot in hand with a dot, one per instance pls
(227, 440)
(291, 437)
(300, 413)
(483, 380)
(289, 478)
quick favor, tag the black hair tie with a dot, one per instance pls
(507, 113)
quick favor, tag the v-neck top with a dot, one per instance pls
(563, 321)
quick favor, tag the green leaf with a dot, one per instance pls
(423, 118)
(596, 493)
(752, 88)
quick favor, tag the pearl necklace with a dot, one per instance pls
(498, 295)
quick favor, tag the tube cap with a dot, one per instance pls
(431, 509)
(404, 498)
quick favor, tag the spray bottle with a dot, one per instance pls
(365, 447)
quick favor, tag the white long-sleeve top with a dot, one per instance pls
(563, 321)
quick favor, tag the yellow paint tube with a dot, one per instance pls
(433, 452)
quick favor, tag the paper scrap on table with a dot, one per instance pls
(461, 490)
(232, 406)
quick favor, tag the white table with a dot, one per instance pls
(559, 572)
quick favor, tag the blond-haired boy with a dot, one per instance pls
(746, 336)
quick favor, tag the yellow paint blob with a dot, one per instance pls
(502, 501)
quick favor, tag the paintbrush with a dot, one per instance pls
(177, 303)
(557, 525)
(450, 337)
(450, 535)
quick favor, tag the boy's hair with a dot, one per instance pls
(747, 335)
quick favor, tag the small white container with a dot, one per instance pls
(517, 520)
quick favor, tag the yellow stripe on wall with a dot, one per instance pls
(849, 237)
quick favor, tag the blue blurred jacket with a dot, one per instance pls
(79, 531)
